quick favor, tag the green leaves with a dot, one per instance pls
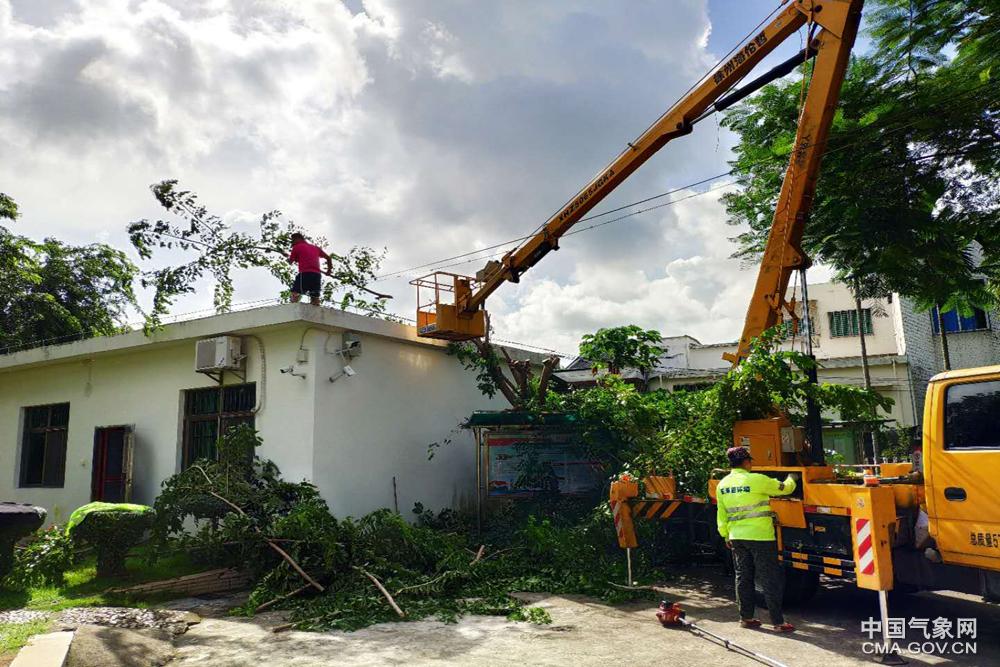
(51, 291)
(112, 533)
(619, 348)
(8, 208)
(687, 433)
(218, 250)
(43, 561)
(908, 181)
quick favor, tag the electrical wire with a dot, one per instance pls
(697, 83)
(393, 274)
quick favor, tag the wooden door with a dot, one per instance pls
(111, 477)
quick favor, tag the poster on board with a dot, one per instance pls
(523, 464)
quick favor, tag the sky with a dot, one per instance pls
(429, 128)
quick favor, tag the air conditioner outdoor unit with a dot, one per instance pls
(222, 353)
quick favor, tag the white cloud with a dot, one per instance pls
(701, 292)
(428, 127)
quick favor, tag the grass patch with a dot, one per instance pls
(15, 635)
(83, 588)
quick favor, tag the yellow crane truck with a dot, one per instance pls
(896, 527)
(871, 531)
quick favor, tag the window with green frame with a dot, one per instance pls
(210, 413)
(845, 322)
(787, 329)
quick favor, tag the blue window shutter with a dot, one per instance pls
(951, 321)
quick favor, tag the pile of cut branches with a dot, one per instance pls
(349, 573)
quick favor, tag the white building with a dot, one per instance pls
(903, 346)
(836, 345)
(68, 413)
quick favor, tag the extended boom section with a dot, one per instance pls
(783, 253)
(454, 316)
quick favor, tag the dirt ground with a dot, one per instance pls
(585, 632)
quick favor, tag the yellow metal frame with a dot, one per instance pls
(974, 471)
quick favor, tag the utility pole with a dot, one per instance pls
(867, 434)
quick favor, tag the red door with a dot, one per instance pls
(112, 462)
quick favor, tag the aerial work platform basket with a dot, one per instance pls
(439, 312)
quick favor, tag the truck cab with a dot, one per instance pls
(961, 452)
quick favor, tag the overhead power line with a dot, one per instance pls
(890, 128)
(393, 274)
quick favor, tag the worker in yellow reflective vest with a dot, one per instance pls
(746, 523)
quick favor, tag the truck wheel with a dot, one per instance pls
(800, 586)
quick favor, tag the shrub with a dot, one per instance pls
(44, 561)
(112, 530)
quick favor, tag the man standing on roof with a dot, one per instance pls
(308, 279)
(746, 523)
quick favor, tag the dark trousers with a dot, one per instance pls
(756, 558)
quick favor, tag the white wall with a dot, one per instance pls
(831, 297)
(378, 424)
(348, 437)
(143, 388)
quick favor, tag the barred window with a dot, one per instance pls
(210, 413)
(845, 322)
(43, 449)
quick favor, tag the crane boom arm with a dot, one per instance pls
(677, 121)
(839, 19)
(783, 252)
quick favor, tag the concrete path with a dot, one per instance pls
(585, 632)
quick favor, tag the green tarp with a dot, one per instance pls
(81, 513)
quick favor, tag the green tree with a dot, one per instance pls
(50, 290)
(8, 209)
(688, 432)
(218, 249)
(908, 191)
(618, 348)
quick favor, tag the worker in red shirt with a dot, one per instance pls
(308, 279)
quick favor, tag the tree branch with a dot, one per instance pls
(378, 584)
(281, 598)
(281, 552)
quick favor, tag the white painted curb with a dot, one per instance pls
(47, 650)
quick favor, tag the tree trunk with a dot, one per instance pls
(501, 381)
(543, 381)
(864, 346)
(944, 341)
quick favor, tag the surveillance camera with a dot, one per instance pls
(287, 369)
(349, 372)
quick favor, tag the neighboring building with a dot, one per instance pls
(75, 418)
(903, 344)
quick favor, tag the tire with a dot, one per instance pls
(800, 587)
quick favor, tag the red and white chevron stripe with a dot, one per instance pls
(616, 514)
(866, 555)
